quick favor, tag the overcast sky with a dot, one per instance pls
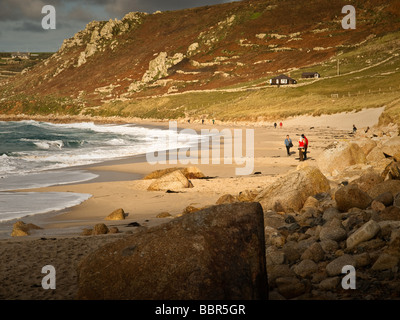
(21, 20)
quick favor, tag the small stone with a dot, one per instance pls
(386, 198)
(334, 268)
(364, 233)
(385, 262)
(362, 259)
(329, 246)
(335, 233)
(305, 268)
(330, 283)
(390, 213)
(113, 230)
(377, 206)
(396, 200)
(330, 213)
(314, 253)
(290, 287)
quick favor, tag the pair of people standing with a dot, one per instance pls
(303, 146)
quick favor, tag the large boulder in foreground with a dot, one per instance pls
(216, 253)
(171, 181)
(337, 158)
(290, 192)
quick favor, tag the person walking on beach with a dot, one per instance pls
(280, 124)
(275, 125)
(288, 144)
(305, 146)
(301, 148)
(354, 129)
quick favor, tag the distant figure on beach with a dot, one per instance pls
(202, 121)
(213, 121)
(188, 120)
(305, 146)
(288, 144)
(301, 148)
(366, 130)
(354, 129)
(275, 125)
(280, 125)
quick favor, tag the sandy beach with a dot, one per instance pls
(120, 185)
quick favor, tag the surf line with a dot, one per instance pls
(232, 146)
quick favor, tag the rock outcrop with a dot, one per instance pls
(290, 192)
(118, 214)
(174, 180)
(216, 253)
(21, 229)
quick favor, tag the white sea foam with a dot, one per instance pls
(15, 205)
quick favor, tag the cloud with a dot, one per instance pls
(14, 10)
(80, 13)
(28, 26)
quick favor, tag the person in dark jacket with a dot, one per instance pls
(288, 144)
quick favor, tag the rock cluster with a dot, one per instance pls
(354, 223)
(99, 229)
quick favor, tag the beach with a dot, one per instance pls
(119, 184)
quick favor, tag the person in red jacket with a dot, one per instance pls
(305, 146)
(301, 148)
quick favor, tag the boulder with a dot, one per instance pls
(390, 213)
(351, 196)
(216, 253)
(338, 157)
(227, 198)
(290, 287)
(100, 228)
(192, 173)
(247, 195)
(189, 173)
(366, 232)
(392, 186)
(163, 215)
(385, 262)
(366, 145)
(290, 192)
(375, 155)
(305, 268)
(392, 146)
(396, 200)
(368, 180)
(314, 253)
(385, 198)
(118, 214)
(171, 181)
(21, 229)
(334, 268)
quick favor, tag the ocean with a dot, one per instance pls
(38, 154)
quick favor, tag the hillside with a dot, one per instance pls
(215, 62)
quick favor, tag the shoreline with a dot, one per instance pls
(124, 175)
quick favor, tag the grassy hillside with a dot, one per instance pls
(214, 62)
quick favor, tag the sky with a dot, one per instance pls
(21, 20)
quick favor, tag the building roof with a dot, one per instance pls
(283, 76)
